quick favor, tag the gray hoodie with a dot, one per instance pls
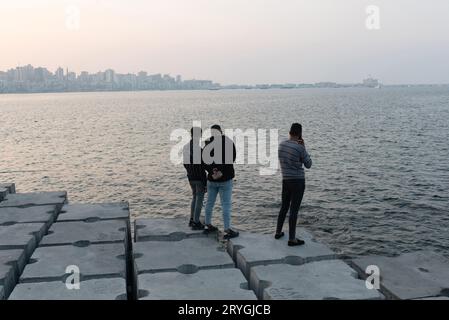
(292, 156)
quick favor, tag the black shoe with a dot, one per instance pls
(296, 242)
(209, 229)
(229, 234)
(277, 236)
(197, 226)
(191, 222)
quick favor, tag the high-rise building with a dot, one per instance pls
(59, 74)
(109, 75)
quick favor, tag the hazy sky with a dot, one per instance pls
(233, 41)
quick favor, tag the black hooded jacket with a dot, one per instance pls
(226, 167)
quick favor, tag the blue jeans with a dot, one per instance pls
(197, 200)
(225, 191)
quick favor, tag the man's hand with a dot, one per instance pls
(301, 142)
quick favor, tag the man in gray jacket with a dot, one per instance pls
(292, 156)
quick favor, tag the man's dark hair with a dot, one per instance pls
(197, 131)
(216, 127)
(296, 130)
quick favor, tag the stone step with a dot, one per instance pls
(218, 284)
(17, 243)
(160, 229)
(96, 238)
(22, 226)
(94, 212)
(23, 236)
(250, 249)
(96, 289)
(43, 214)
(23, 200)
(320, 280)
(100, 261)
(409, 276)
(10, 187)
(85, 233)
(185, 256)
(12, 263)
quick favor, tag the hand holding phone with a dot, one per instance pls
(217, 174)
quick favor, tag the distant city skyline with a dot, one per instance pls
(233, 41)
(30, 79)
(27, 78)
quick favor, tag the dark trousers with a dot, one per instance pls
(198, 189)
(292, 193)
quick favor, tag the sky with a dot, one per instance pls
(233, 41)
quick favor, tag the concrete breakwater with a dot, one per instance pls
(53, 249)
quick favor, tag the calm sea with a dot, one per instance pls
(379, 183)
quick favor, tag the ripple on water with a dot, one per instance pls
(371, 191)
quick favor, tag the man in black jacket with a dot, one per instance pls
(192, 155)
(219, 156)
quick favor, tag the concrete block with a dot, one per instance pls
(221, 284)
(94, 212)
(10, 187)
(3, 193)
(23, 200)
(84, 233)
(251, 249)
(96, 289)
(12, 263)
(160, 229)
(44, 214)
(185, 256)
(320, 280)
(434, 298)
(23, 236)
(94, 262)
(409, 276)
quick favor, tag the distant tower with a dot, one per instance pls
(59, 74)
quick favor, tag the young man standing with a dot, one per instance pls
(292, 156)
(196, 172)
(219, 154)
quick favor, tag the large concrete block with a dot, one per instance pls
(221, 284)
(84, 233)
(96, 289)
(409, 276)
(251, 249)
(34, 199)
(23, 236)
(93, 212)
(94, 262)
(10, 187)
(3, 193)
(44, 214)
(160, 229)
(185, 256)
(12, 263)
(320, 280)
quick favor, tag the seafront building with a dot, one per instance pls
(28, 79)
(25, 79)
